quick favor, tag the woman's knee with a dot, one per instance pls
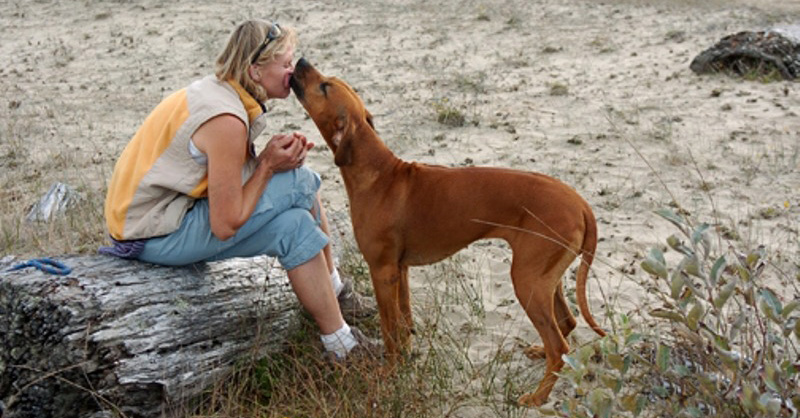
(297, 236)
(293, 221)
(307, 184)
(295, 188)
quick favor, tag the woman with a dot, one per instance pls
(189, 186)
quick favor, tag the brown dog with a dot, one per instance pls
(407, 214)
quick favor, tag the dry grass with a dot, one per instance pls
(27, 174)
(440, 378)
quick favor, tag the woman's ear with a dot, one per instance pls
(255, 73)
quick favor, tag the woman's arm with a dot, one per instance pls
(224, 140)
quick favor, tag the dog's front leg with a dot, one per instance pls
(405, 308)
(392, 295)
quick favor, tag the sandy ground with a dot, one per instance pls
(598, 94)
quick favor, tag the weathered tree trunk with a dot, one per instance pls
(131, 338)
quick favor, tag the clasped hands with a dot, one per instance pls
(285, 152)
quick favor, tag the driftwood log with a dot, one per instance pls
(129, 339)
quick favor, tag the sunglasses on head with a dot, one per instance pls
(273, 33)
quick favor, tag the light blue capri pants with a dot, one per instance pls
(281, 226)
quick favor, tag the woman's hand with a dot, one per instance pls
(224, 140)
(285, 152)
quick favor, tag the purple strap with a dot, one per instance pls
(124, 249)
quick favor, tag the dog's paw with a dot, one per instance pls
(535, 352)
(530, 400)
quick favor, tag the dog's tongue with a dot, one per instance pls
(286, 81)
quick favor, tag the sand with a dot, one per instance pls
(597, 94)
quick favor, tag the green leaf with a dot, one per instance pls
(769, 304)
(657, 255)
(772, 378)
(683, 371)
(619, 362)
(744, 273)
(717, 269)
(616, 361)
(749, 398)
(632, 404)
(661, 392)
(788, 327)
(676, 286)
(699, 232)
(736, 327)
(673, 218)
(548, 412)
(719, 340)
(676, 244)
(585, 353)
(695, 315)
(753, 258)
(609, 346)
(730, 358)
(797, 329)
(694, 412)
(724, 294)
(600, 403)
(633, 339)
(611, 382)
(665, 314)
(641, 401)
(701, 237)
(691, 265)
(790, 368)
(654, 267)
(707, 384)
(573, 362)
(796, 401)
(790, 307)
(627, 366)
(662, 357)
(770, 404)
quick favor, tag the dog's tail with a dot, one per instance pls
(587, 256)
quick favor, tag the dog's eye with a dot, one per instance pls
(324, 88)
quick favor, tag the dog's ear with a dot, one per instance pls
(343, 154)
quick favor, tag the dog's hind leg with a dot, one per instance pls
(566, 321)
(564, 318)
(537, 284)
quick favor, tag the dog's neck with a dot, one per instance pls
(370, 163)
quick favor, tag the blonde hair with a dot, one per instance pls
(233, 62)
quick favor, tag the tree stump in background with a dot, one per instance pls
(131, 338)
(754, 53)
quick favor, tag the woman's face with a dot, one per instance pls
(275, 75)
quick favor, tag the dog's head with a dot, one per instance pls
(334, 107)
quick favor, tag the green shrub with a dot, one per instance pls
(449, 115)
(720, 341)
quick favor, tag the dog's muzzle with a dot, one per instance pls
(296, 82)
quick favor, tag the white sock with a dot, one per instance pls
(337, 282)
(340, 342)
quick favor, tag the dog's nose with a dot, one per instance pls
(302, 64)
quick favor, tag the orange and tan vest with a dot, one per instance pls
(156, 180)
